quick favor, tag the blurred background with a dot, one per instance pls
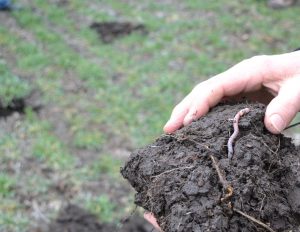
(84, 83)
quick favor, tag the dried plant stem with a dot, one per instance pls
(253, 219)
(172, 170)
(293, 125)
(226, 186)
(220, 175)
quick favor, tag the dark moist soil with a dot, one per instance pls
(75, 219)
(109, 31)
(33, 101)
(176, 180)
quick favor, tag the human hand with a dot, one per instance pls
(259, 78)
(151, 219)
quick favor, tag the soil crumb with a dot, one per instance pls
(75, 219)
(16, 105)
(109, 31)
(177, 180)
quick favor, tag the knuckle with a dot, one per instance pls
(263, 64)
(197, 87)
(177, 109)
(261, 60)
(201, 86)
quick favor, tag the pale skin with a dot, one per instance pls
(273, 80)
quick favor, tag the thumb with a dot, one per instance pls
(283, 108)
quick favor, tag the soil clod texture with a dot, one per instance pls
(188, 182)
(109, 31)
(75, 219)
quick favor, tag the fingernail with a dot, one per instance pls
(277, 122)
(167, 126)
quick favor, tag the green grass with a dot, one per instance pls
(88, 139)
(102, 207)
(125, 90)
(48, 148)
(11, 218)
(7, 183)
(107, 164)
(9, 149)
(11, 86)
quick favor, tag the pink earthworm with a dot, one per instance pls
(236, 130)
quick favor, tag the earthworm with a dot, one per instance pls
(236, 130)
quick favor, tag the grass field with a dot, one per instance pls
(100, 101)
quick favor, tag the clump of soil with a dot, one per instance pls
(177, 180)
(109, 31)
(32, 100)
(75, 219)
(16, 105)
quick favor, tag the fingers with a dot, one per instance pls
(245, 76)
(177, 116)
(283, 108)
(151, 219)
(204, 98)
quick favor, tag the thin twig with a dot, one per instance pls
(266, 145)
(236, 130)
(220, 175)
(226, 186)
(192, 140)
(253, 219)
(204, 146)
(262, 203)
(295, 124)
(171, 170)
